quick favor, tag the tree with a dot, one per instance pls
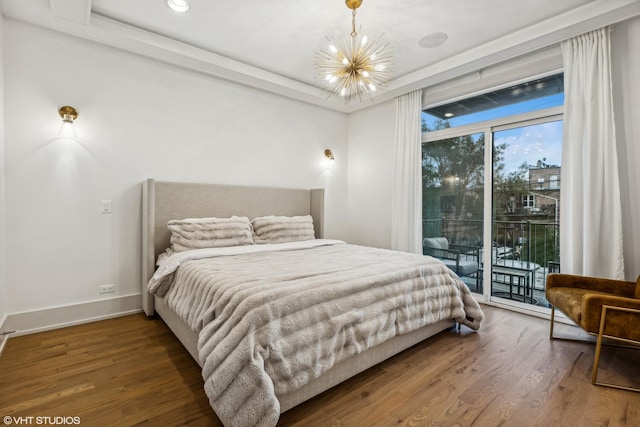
(453, 179)
(505, 187)
(455, 166)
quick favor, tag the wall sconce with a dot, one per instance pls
(68, 114)
(330, 162)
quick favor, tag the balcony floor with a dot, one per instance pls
(501, 289)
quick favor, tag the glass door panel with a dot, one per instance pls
(453, 203)
(526, 207)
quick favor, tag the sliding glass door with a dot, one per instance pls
(491, 188)
(453, 204)
(526, 207)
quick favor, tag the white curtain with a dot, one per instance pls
(590, 211)
(406, 196)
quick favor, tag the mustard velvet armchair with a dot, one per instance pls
(602, 307)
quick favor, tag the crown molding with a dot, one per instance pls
(145, 43)
(540, 36)
(74, 17)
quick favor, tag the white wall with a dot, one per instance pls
(3, 282)
(371, 154)
(625, 70)
(371, 134)
(138, 118)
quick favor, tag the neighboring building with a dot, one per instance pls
(544, 187)
(541, 195)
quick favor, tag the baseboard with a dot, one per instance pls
(533, 311)
(3, 337)
(30, 322)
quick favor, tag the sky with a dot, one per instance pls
(530, 144)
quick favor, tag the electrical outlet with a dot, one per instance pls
(107, 289)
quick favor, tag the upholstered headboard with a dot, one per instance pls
(163, 201)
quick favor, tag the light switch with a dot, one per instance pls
(106, 206)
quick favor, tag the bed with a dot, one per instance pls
(165, 201)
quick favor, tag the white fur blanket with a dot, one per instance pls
(270, 322)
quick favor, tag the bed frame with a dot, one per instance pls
(163, 201)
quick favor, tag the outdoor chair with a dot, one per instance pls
(602, 307)
(462, 260)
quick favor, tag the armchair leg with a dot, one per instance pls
(552, 324)
(596, 359)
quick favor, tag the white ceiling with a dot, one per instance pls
(270, 44)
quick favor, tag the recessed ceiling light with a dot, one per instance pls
(178, 5)
(447, 115)
(433, 40)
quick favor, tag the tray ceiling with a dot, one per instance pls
(271, 44)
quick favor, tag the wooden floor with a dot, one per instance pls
(132, 371)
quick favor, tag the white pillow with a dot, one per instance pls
(200, 233)
(281, 229)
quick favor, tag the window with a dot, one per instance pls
(528, 201)
(490, 168)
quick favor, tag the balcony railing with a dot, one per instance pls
(530, 240)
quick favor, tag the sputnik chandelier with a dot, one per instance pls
(352, 65)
